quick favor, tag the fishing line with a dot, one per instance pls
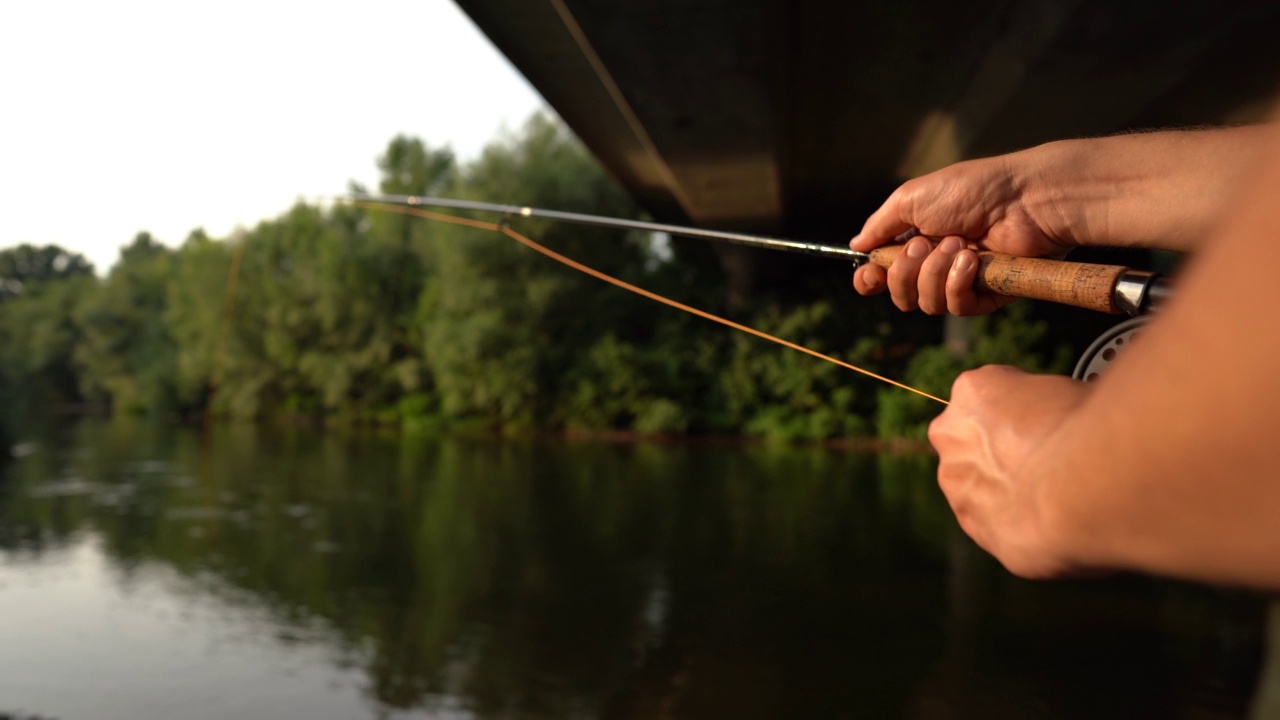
(532, 245)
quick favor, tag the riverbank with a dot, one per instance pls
(436, 425)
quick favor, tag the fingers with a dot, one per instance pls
(958, 285)
(934, 273)
(937, 280)
(870, 279)
(904, 274)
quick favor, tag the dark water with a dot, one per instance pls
(296, 574)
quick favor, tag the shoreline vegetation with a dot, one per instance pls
(357, 317)
(474, 428)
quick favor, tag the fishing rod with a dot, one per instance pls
(1112, 289)
(756, 241)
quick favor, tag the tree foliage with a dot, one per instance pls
(360, 315)
(125, 353)
(27, 265)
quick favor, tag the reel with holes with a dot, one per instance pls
(1098, 357)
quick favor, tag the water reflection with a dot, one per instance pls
(477, 577)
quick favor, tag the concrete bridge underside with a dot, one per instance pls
(797, 117)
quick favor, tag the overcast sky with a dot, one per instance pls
(132, 115)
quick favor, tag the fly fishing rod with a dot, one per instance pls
(1112, 289)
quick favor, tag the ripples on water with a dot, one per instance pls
(294, 574)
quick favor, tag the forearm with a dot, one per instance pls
(1165, 189)
(1172, 465)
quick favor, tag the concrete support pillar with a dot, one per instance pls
(958, 335)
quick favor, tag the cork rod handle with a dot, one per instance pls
(1082, 285)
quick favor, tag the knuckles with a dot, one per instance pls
(966, 385)
(937, 431)
(904, 193)
(973, 384)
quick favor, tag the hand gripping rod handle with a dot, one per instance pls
(1112, 289)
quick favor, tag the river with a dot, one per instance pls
(149, 572)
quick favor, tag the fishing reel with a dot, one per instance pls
(1137, 295)
(1097, 358)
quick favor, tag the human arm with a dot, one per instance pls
(1164, 190)
(1170, 463)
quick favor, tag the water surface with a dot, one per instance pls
(268, 573)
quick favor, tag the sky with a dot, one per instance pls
(131, 115)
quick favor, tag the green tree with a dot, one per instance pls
(369, 354)
(322, 319)
(273, 320)
(503, 324)
(125, 353)
(39, 334)
(194, 311)
(40, 291)
(27, 264)
(409, 167)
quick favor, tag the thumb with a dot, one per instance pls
(884, 225)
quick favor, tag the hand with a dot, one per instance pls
(980, 204)
(992, 442)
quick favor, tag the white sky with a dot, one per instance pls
(132, 115)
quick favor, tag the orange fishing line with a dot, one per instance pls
(523, 240)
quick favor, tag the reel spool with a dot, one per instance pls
(1097, 358)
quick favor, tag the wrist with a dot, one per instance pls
(1063, 193)
(1078, 497)
(1068, 473)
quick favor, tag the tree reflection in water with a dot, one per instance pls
(541, 578)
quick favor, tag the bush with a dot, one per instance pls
(1007, 338)
(661, 416)
(782, 394)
